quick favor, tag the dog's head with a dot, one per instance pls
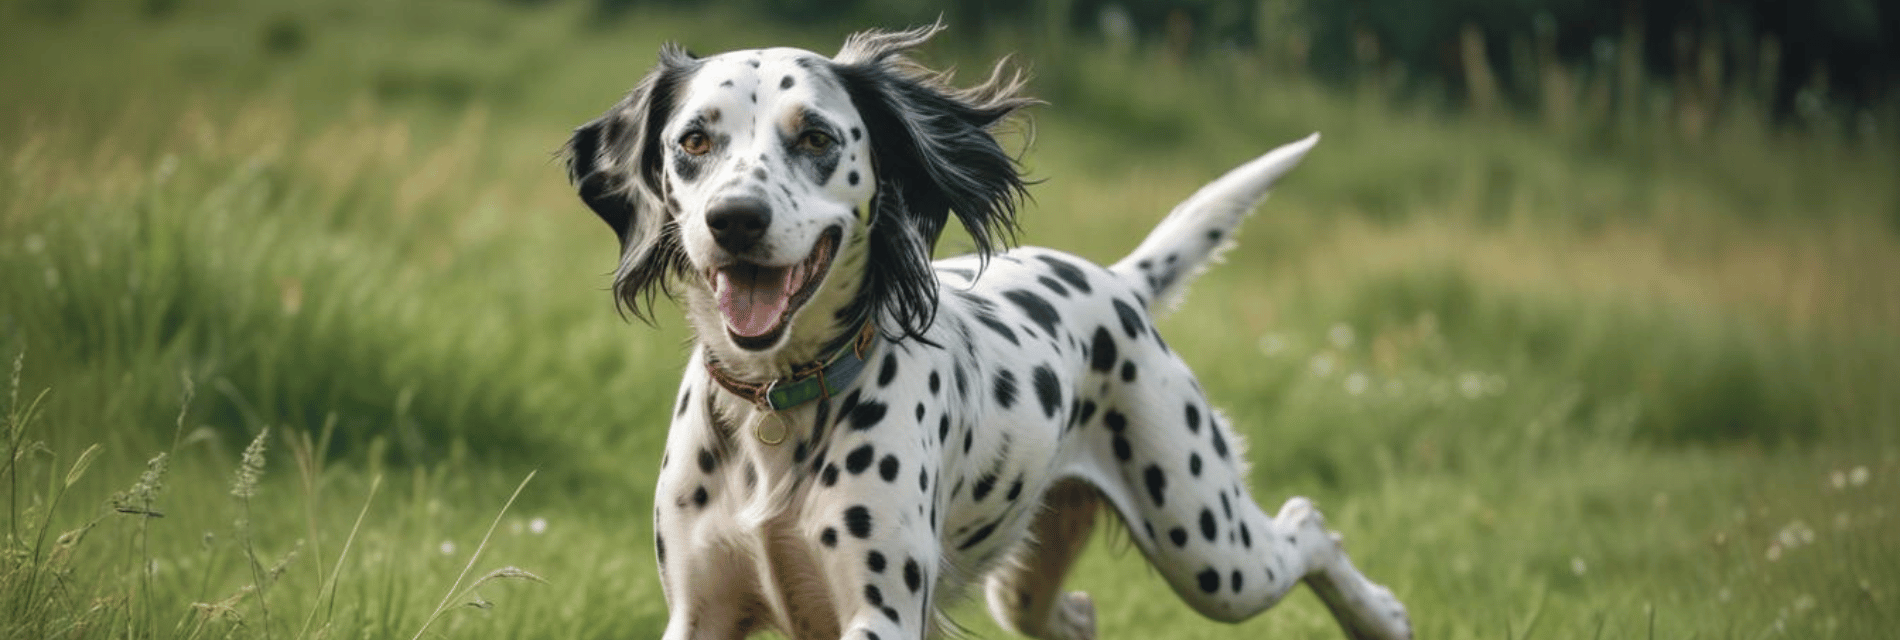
(791, 197)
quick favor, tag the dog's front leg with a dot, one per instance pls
(875, 530)
(712, 592)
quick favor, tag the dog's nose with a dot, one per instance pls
(738, 224)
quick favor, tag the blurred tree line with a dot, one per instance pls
(1816, 61)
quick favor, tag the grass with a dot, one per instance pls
(1588, 380)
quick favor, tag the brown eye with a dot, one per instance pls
(695, 143)
(815, 142)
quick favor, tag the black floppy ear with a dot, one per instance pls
(933, 141)
(615, 164)
(933, 153)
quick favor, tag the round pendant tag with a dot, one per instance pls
(770, 428)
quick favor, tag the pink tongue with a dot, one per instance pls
(753, 298)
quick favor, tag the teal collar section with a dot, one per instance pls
(813, 381)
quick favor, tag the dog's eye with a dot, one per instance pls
(815, 142)
(695, 143)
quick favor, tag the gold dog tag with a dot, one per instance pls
(769, 427)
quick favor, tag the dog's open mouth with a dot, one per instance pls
(757, 300)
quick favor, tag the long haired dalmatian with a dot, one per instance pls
(862, 432)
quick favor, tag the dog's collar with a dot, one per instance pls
(813, 380)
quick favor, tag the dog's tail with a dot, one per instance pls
(1202, 227)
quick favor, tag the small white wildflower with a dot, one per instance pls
(1470, 385)
(34, 243)
(1577, 566)
(1357, 382)
(538, 526)
(1272, 345)
(1723, 595)
(1858, 476)
(1322, 365)
(1340, 335)
(1774, 552)
(1837, 478)
(447, 547)
(1795, 534)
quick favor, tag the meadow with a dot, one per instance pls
(306, 335)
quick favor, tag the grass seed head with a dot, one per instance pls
(251, 467)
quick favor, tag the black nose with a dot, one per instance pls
(738, 224)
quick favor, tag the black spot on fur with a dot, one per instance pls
(1220, 443)
(1194, 464)
(1048, 390)
(852, 178)
(887, 468)
(867, 415)
(1005, 388)
(997, 326)
(1209, 579)
(1246, 537)
(920, 412)
(943, 427)
(700, 496)
(936, 383)
(829, 537)
(887, 371)
(857, 134)
(1128, 371)
(829, 476)
(1115, 420)
(1234, 579)
(857, 520)
(1131, 319)
(685, 398)
(1157, 483)
(1207, 524)
(978, 537)
(1122, 450)
(786, 82)
(1087, 412)
(1015, 489)
(1178, 536)
(1193, 418)
(859, 459)
(874, 561)
(984, 485)
(1052, 285)
(707, 461)
(1102, 354)
(913, 576)
(1037, 308)
(1068, 272)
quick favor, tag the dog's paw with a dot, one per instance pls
(1073, 618)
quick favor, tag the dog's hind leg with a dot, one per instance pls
(1168, 462)
(1025, 593)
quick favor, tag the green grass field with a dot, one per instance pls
(1593, 379)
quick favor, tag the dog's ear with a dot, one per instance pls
(615, 163)
(934, 154)
(934, 141)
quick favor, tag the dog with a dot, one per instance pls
(862, 433)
